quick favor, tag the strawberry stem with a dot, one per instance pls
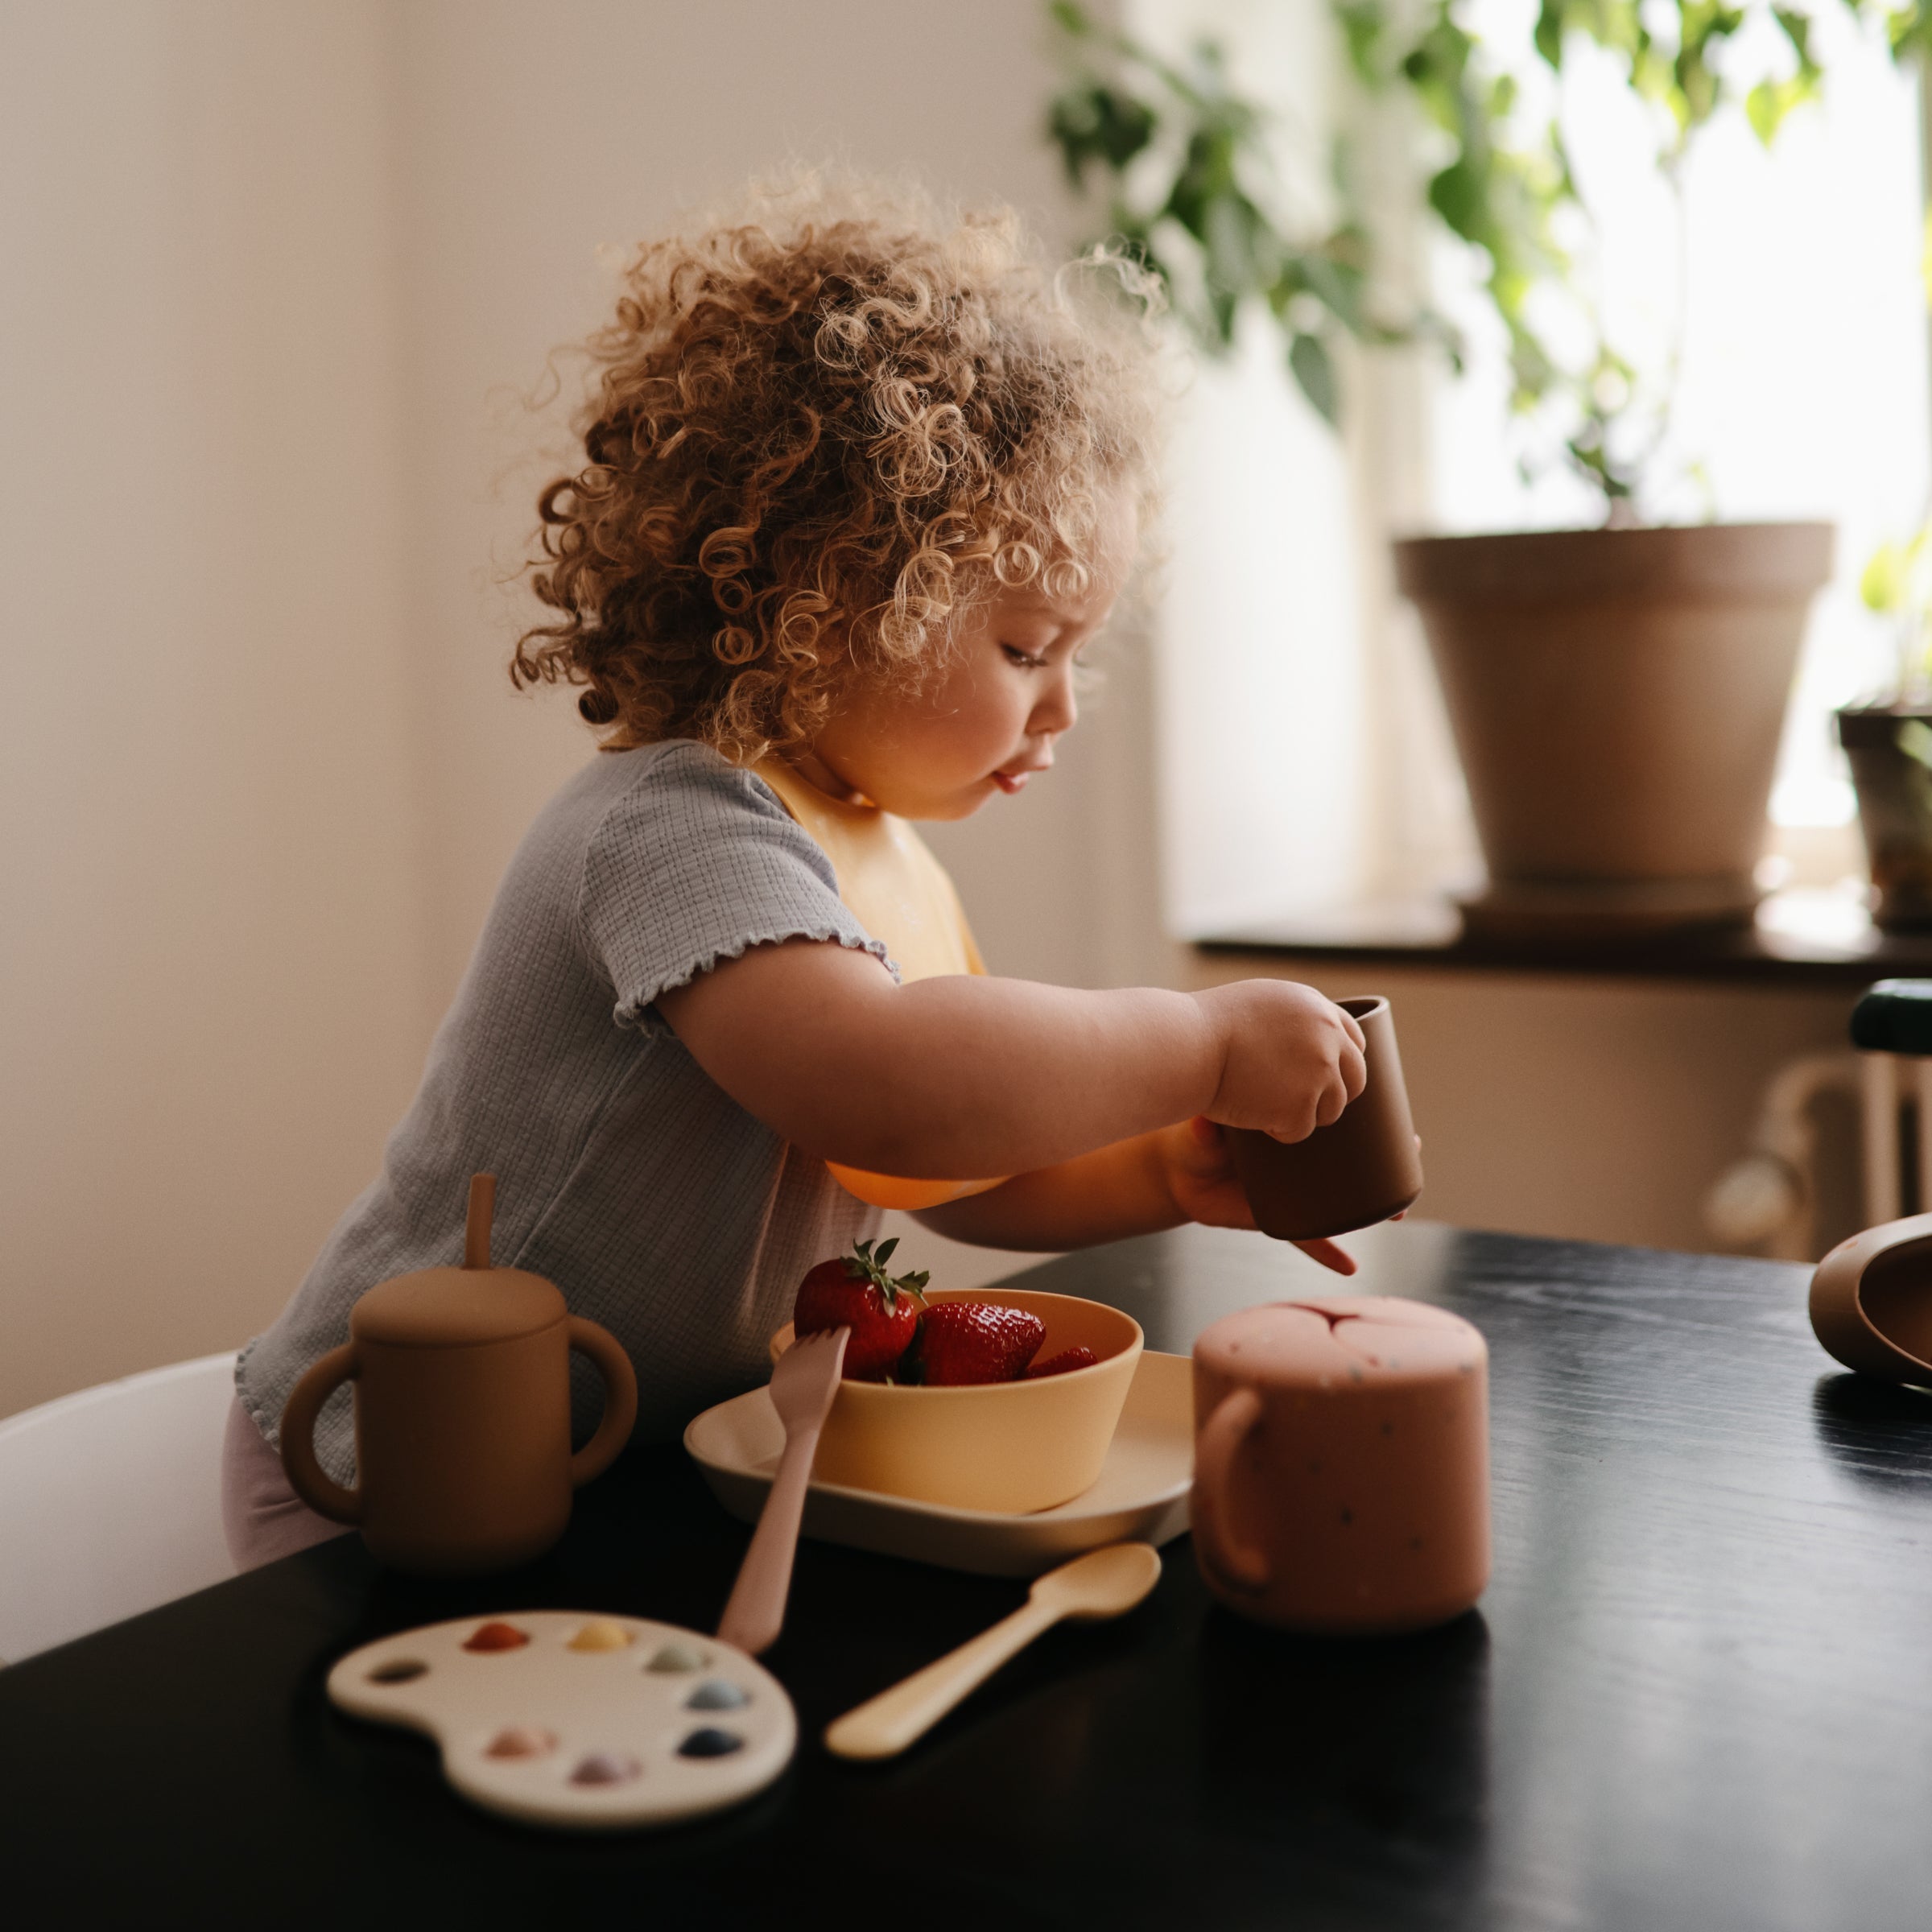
(865, 1263)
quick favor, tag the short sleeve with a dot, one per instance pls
(693, 863)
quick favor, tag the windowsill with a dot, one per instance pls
(1802, 936)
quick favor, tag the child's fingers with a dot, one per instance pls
(1203, 1178)
(1353, 1067)
(1219, 1204)
(1329, 1255)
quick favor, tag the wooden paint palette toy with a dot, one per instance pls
(577, 1720)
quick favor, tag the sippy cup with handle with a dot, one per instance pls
(462, 1398)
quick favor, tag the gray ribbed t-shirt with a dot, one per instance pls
(625, 1174)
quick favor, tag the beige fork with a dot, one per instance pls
(802, 1388)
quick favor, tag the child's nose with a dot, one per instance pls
(1056, 711)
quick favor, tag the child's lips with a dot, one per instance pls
(1015, 781)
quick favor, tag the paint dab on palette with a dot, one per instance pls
(718, 1695)
(402, 1670)
(601, 1633)
(709, 1743)
(606, 1767)
(671, 1658)
(519, 1740)
(497, 1637)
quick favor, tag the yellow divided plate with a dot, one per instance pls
(1140, 1495)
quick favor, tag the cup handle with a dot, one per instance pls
(298, 1414)
(620, 1400)
(1214, 1452)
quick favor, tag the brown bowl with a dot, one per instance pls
(1011, 1446)
(1871, 1301)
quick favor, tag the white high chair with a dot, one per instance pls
(110, 1502)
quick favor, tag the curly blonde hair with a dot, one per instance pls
(817, 438)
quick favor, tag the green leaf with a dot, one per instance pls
(1099, 123)
(1908, 30)
(1882, 584)
(1914, 738)
(1767, 104)
(884, 1252)
(1456, 195)
(1548, 35)
(1363, 24)
(1308, 358)
(1338, 286)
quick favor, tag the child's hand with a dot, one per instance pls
(1290, 1060)
(1197, 1171)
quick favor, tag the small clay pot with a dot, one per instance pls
(1894, 813)
(1360, 1170)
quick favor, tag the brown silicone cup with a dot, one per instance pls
(1342, 1464)
(462, 1377)
(1360, 1170)
(1871, 1301)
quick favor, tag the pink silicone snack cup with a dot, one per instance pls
(1360, 1170)
(1342, 1464)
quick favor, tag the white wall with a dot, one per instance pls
(211, 957)
(273, 282)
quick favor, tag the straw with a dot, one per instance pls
(475, 1230)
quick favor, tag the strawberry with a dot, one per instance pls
(1062, 1364)
(856, 1292)
(963, 1342)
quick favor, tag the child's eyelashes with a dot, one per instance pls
(1043, 660)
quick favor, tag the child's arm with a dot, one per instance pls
(951, 1078)
(1157, 1180)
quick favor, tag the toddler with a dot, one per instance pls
(858, 485)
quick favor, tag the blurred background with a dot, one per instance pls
(278, 288)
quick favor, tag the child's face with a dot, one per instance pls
(987, 723)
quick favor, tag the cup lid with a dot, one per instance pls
(457, 1308)
(1346, 1339)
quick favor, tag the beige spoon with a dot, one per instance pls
(1102, 1583)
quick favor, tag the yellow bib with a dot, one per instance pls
(899, 892)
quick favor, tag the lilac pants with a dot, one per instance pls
(262, 1518)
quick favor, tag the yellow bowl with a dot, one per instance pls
(1012, 1447)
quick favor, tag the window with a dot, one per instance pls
(1304, 758)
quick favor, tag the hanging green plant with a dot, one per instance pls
(1190, 186)
(1186, 171)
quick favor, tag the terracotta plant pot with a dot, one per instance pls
(1894, 809)
(1617, 697)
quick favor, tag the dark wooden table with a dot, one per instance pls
(1698, 1693)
